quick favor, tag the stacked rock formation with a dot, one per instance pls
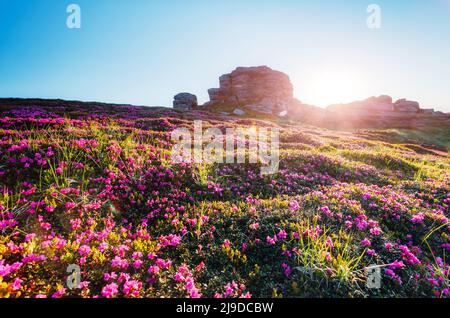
(259, 89)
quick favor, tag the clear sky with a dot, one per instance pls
(146, 51)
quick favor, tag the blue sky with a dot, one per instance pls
(146, 51)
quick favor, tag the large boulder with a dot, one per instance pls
(185, 101)
(257, 88)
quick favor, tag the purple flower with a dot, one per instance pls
(366, 242)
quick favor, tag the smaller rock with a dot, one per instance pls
(185, 101)
(406, 106)
(428, 111)
(239, 112)
(283, 113)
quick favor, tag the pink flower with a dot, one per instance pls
(392, 274)
(109, 276)
(189, 283)
(226, 243)
(418, 218)
(396, 265)
(84, 285)
(366, 242)
(136, 255)
(122, 249)
(178, 277)
(329, 243)
(110, 291)
(282, 234)
(388, 246)
(326, 210)
(59, 293)
(103, 247)
(49, 208)
(163, 263)
(229, 290)
(409, 257)
(16, 285)
(153, 269)
(46, 226)
(170, 240)
(200, 266)
(117, 262)
(70, 205)
(375, 231)
(84, 250)
(30, 237)
(286, 269)
(194, 293)
(131, 288)
(294, 206)
(271, 240)
(254, 226)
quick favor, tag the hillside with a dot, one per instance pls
(93, 185)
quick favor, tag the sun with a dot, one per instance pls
(333, 86)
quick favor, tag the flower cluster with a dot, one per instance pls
(96, 188)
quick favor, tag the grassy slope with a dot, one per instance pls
(95, 187)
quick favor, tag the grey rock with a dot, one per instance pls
(239, 112)
(185, 101)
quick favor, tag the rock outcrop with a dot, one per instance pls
(259, 89)
(403, 105)
(382, 112)
(382, 105)
(185, 101)
(264, 90)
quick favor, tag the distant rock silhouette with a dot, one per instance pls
(382, 112)
(383, 106)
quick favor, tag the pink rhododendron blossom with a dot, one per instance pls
(110, 291)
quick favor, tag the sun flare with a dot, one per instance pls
(333, 86)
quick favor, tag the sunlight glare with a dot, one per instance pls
(333, 86)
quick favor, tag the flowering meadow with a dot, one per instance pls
(96, 187)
